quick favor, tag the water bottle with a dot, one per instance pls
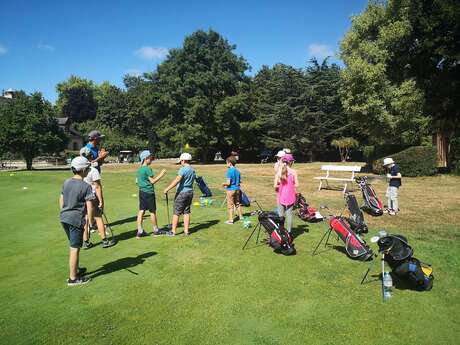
(387, 285)
(246, 223)
(202, 201)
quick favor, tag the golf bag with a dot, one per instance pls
(399, 256)
(279, 239)
(355, 247)
(305, 211)
(356, 219)
(244, 200)
(203, 187)
(372, 204)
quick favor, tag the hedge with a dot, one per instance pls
(414, 161)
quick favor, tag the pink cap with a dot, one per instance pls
(288, 158)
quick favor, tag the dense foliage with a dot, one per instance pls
(28, 127)
(414, 161)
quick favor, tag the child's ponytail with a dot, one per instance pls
(284, 172)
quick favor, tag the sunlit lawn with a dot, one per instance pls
(204, 289)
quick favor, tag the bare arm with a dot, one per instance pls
(173, 184)
(228, 183)
(98, 187)
(276, 181)
(157, 178)
(296, 180)
(396, 176)
(61, 201)
(89, 211)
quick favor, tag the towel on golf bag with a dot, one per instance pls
(203, 187)
(356, 219)
(355, 246)
(372, 204)
(399, 256)
(244, 200)
(305, 211)
(280, 240)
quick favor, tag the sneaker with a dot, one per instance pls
(81, 271)
(171, 234)
(106, 243)
(78, 281)
(160, 232)
(141, 234)
(230, 222)
(186, 233)
(87, 245)
(392, 213)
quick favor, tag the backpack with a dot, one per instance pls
(305, 211)
(279, 239)
(399, 256)
(244, 200)
(355, 246)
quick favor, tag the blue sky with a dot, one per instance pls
(44, 42)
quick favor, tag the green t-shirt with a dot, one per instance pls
(143, 174)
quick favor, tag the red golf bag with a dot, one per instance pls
(372, 204)
(305, 211)
(355, 246)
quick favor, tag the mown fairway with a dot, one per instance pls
(204, 289)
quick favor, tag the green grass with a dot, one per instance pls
(204, 289)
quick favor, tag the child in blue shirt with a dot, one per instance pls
(184, 193)
(232, 187)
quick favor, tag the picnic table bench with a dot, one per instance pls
(340, 169)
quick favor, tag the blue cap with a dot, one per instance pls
(144, 154)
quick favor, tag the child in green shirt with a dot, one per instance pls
(145, 181)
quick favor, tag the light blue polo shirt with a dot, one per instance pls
(233, 174)
(94, 150)
(188, 177)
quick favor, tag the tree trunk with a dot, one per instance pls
(204, 156)
(29, 163)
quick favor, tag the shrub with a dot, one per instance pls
(414, 161)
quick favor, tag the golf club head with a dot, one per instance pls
(374, 239)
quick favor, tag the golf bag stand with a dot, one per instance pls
(371, 265)
(326, 235)
(256, 228)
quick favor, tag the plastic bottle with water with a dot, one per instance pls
(387, 285)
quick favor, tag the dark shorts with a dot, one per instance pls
(147, 201)
(74, 234)
(97, 212)
(182, 203)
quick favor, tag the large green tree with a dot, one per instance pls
(76, 99)
(383, 107)
(192, 84)
(28, 127)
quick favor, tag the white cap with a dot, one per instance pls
(287, 150)
(388, 161)
(280, 154)
(80, 163)
(185, 157)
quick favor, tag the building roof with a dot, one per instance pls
(62, 121)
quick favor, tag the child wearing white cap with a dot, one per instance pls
(145, 182)
(394, 176)
(279, 156)
(184, 193)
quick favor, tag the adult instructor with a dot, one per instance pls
(97, 154)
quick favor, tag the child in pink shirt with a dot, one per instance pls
(285, 184)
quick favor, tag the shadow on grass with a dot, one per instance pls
(123, 236)
(299, 230)
(204, 225)
(121, 264)
(125, 220)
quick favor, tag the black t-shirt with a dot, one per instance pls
(394, 171)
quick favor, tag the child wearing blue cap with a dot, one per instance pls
(145, 181)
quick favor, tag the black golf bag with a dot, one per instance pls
(372, 204)
(305, 211)
(355, 246)
(399, 256)
(279, 239)
(356, 219)
(206, 192)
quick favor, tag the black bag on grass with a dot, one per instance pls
(372, 203)
(399, 256)
(305, 211)
(244, 200)
(279, 239)
(356, 219)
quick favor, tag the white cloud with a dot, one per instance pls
(46, 47)
(320, 51)
(3, 49)
(152, 53)
(133, 72)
